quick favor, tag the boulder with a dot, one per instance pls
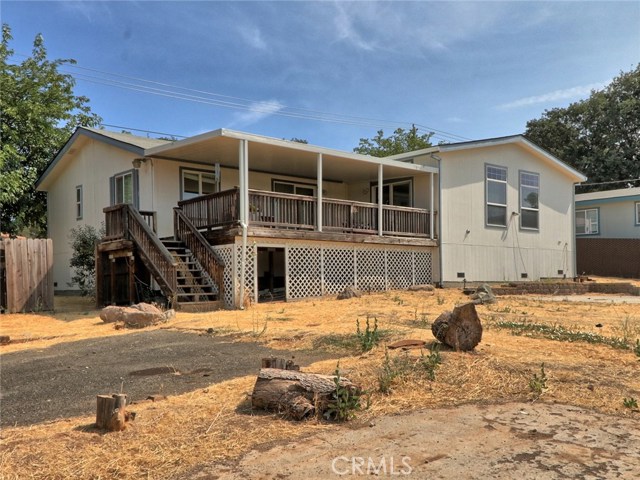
(136, 316)
(422, 288)
(348, 292)
(483, 294)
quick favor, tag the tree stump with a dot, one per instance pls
(295, 394)
(281, 363)
(460, 329)
(111, 412)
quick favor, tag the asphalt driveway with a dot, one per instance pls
(63, 380)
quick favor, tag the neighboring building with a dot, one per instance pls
(307, 221)
(608, 232)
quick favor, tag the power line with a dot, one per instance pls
(178, 92)
(142, 130)
(606, 183)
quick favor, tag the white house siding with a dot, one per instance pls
(616, 218)
(503, 254)
(317, 268)
(91, 165)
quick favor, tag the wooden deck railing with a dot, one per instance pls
(287, 211)
(187, 232)
(125, 222)
(214, 210)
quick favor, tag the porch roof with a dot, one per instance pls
(284, 157)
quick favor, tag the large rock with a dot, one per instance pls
(483, 294)
(136, 316)
(422, 288)
(460, 329)
(348, 292)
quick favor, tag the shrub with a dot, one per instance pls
(345, 400)
(83, 262)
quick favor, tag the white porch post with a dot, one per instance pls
(380, 182)
(431, 208)
(319, 193)
(243, 164)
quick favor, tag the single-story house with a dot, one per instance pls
(270, 218)
(608, 232)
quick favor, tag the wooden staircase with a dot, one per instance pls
(195, 289)
(187, 270)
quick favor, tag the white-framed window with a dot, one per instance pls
(587, 221)
(637, 213)
(496, 196)
(194, 183)
(529, 201)
(284, 186)
(123, 188)
(394, 192)
(79, 202)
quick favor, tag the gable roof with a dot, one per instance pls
(132, 143)
(520, 140)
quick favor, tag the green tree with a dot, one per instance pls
(599, 136)
(82, 241)
(400, 141)
(39, 113)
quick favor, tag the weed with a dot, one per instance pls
(440, 299)
(420, 319)
(337, 341)
(630, 402)
(431, 362)
(345, 400)
(559, 333)
(258, 328)
(370, 337)
(636, 349)
(403, 366)
(538, 384)
(398, 300)
(387, 374)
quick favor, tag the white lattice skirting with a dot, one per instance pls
(314, 270)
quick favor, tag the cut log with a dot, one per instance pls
(295, 394)
(111, 412)
(460, 329)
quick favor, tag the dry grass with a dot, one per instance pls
(174, 437)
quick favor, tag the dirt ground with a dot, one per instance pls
(514, 440)
(472, 409)
(62, 380)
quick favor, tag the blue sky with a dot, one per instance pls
(470, 69)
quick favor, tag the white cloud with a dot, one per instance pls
(253, 37)
(554, 96)
(346, 31)
(257, 111)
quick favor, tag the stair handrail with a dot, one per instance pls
(186, 231)
(159, 260)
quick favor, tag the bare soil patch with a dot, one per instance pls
(63, 380)
(514, 440)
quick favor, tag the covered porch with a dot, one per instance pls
(286, 187)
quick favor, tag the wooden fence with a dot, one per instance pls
(26, 274)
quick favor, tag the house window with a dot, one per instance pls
(195, 183)
(496, 195)
(79, 202)
(395, 192)
(529, 201)
(124, 188)
(637, 213)
(587, 221)
(283, 186)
